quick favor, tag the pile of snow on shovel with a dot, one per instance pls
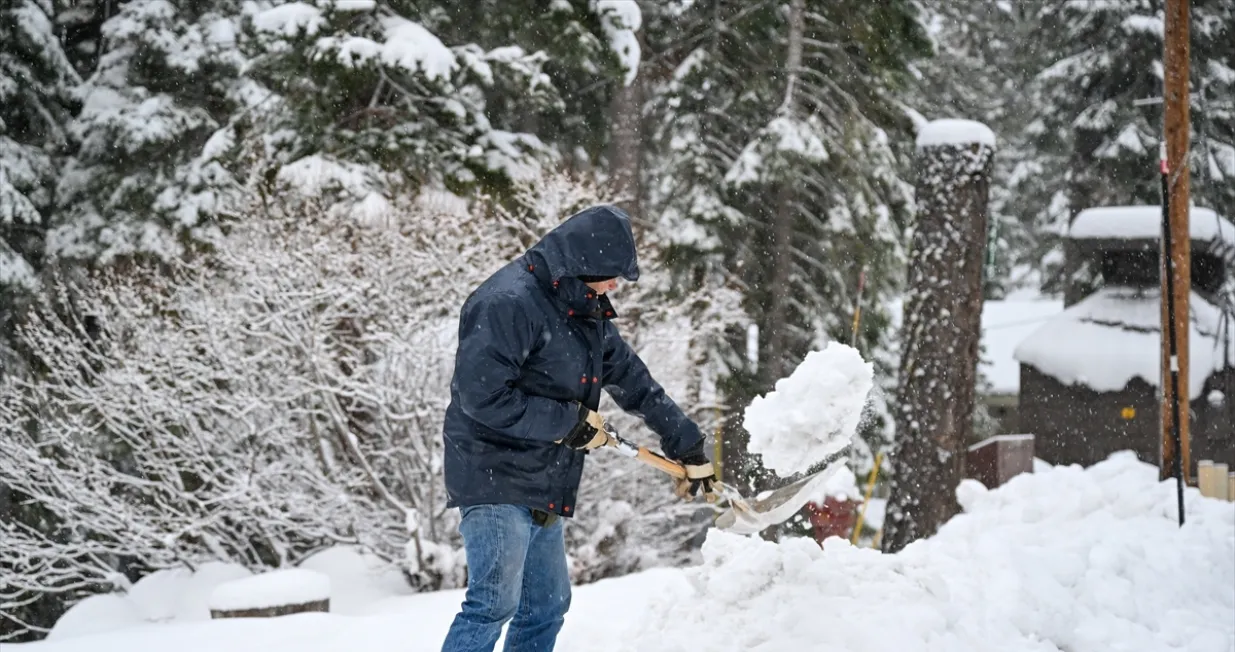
(813, 413)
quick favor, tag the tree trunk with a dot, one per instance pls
(782, 226)
(626, 147)
(943, 314)
(322, 606)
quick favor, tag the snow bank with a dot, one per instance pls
(357, 582)
(96, 615)
(1063, 559)
(1084, 560)
(272, 589)
(169, 595)
(358, 579)
(813, 413)
(181, 593)
(942, 133)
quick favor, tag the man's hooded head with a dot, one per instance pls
(593, 245)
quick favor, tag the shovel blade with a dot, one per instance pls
(777, 506)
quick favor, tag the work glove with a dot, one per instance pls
(589, 433)
(700, 474)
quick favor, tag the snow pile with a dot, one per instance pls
(357, 582)
(97, 614)
(273, 589)
(1063, 559)
(168, 595)
(951, 132)
(358, 579)
(1084, 560)
(813, 413)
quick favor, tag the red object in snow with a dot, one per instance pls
(834, 518)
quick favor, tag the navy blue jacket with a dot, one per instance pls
(534, 344)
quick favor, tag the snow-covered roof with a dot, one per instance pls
(1145, 223)
(955, 132)
(1112, 336)
(1004, 324)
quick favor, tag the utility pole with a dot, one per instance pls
(1176, 260)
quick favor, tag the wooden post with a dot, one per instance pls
(1205, 477)
(1176, 250)
(943, 314)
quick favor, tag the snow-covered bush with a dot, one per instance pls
(285, 393)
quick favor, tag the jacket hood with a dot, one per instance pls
(596, 241)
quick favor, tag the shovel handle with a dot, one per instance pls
(641, 453)
(656, 461)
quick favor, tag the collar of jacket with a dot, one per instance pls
(571, 295)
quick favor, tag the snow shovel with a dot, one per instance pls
(743, 516)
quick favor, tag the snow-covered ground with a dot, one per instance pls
(1082, 560)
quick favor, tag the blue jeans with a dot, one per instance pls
(501, 541)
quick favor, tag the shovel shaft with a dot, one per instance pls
(641, 453)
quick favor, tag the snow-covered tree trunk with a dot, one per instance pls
(783, 218)
(626, 144)
(943, 314)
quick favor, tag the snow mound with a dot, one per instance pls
(164, 596)
(273, 589)
(812, 413)
(95, 615)
(943, 133)
(1085, 560)
(181, 593)
(358, 579)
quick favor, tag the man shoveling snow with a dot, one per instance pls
(536, 345)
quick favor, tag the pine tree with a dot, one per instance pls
(984, 58)
(1099, 126)
(588, 47)
(150, 174)
(789, 182)
(35, 107)
(1213, 111)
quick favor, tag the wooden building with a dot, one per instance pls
(1089, 376)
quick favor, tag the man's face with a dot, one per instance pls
(601, 287)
